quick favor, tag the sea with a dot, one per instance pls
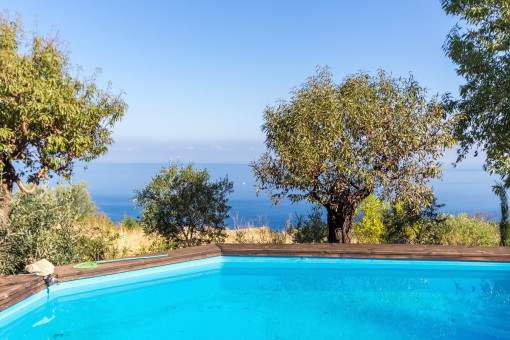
(463, 189)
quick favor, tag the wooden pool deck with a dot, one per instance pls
(15, 288)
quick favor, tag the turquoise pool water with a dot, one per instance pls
(274, 298)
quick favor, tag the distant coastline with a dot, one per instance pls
(464, 190)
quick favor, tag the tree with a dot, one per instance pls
(49, 118)
(504, 225)
(336, 144)
(482, 53)
(184, 205)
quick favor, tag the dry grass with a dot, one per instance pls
(136, 241)
(257, 235)
(257, 232)
(123, 241)
(119, 240)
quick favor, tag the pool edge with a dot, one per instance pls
(16, 288)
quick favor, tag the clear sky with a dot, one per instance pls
(198, 74)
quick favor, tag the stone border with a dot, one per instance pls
(15, 288)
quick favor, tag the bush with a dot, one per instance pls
(96, 239)
(370, 228)
(129, 223)
(182, 204)
(311, 229)
(405, 224)
(462, 230)
(43, 225)
(98, 248)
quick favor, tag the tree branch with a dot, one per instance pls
(24, 127)
(38, 176)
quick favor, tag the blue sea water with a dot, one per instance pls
(275, 298)
(112, 186)
(462, 190)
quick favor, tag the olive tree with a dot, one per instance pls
(184, 205)
(49, 118)
(481, 50)
(335, 144)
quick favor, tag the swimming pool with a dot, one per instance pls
(238, 297)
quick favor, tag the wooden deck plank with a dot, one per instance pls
(67, 273)
(376, 251)
(18, 287)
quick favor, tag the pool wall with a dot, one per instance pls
(16, 288)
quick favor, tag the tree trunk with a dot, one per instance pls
(339, 226)
(5, 199)
(8, 176)
(341, 215)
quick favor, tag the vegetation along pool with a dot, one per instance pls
(234, 297)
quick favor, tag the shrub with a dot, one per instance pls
(310, 229)
(462, 230)
(129, 223)
(401, 223)
(370, 228)
(406, 224)
(43, 225)
(99, 247)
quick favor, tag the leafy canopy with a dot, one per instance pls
(481, 51)
(50, 118)
(365, 134)
(184, 205)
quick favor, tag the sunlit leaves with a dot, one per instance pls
(481, 50)
(49, 118)
(369, 133)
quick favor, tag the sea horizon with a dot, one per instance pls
(464, 189)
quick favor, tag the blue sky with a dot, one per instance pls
(198, 74)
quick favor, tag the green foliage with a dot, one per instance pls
(99, 247)
(481, 51)
(504, 225)
(310, 229)
(50, 119)
(182, 204)
(462, 230)
(407, 224)
(370, 228)
(129, 223)
(334, 144)
(42, 225)
(402, 222)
